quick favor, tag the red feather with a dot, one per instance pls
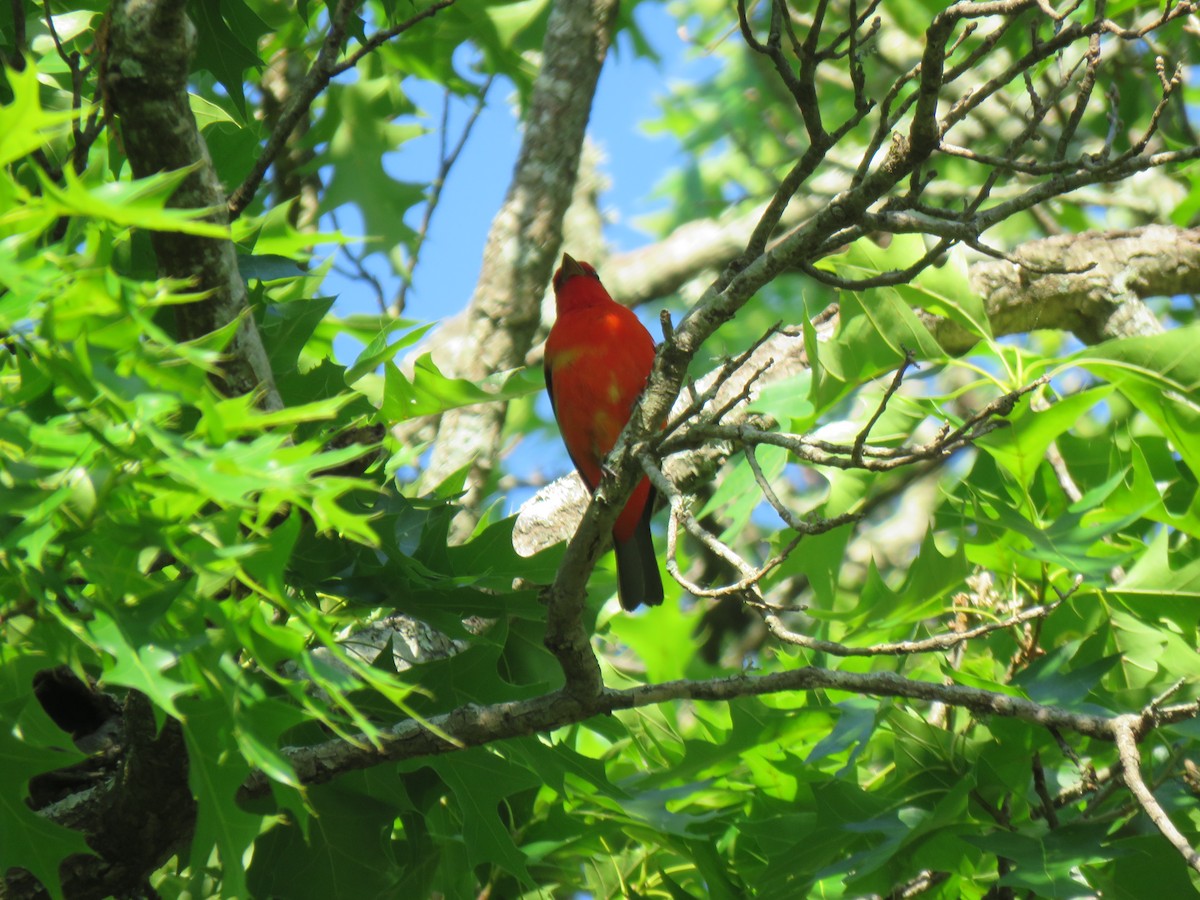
(598, 358)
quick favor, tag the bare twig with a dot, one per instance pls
(728, 368)
(360, 271)
(381, 37)
(938, 643)
(447, 157)
(873, 459)
(1125, 732)
(856, 452)
(681, 513)
(1039, 786)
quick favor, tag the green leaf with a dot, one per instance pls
(228, 33)
(787, 400)
(1138, 861)
(1163, 571)
(1070, 541)
(137, 665)
(24, 124)
(929, 578)
(364, 132)
(215, 776)
(876, 329)
(1047, 864)
(430, 392)
(738, 495)
(510, 19)
(240, 416)
(380, 351)
(133, 204)
(31, 841)
(854, 728)
(482, 781)
(1160, 374)
(1150, 649)
(347, 852)
(29, 746)
(1021, 447)
(661, 637)
(286, 328)
(492, 561)
(945, 290)
(268, 267)
(208, 113)
(1058, 678)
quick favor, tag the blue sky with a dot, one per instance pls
(630, 89)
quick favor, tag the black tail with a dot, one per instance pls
(638, 580)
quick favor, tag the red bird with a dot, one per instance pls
(598, 358)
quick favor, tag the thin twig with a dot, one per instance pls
(873, 459)
(939, 643)
(361, 272)
(1039, 786)
(379, 38)
(323, 70)
(1125, 730)
(446, 160)
(856, 452)
(728, 369)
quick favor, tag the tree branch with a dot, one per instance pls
(472, 725)
(1126, 731)
(145, 78)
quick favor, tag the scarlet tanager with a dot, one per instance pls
(598, 358)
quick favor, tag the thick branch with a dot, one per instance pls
(145, 78)
(1098, 289)
(471, 725)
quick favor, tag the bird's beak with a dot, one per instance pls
(570, 268)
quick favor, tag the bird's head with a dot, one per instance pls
(572, 268)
